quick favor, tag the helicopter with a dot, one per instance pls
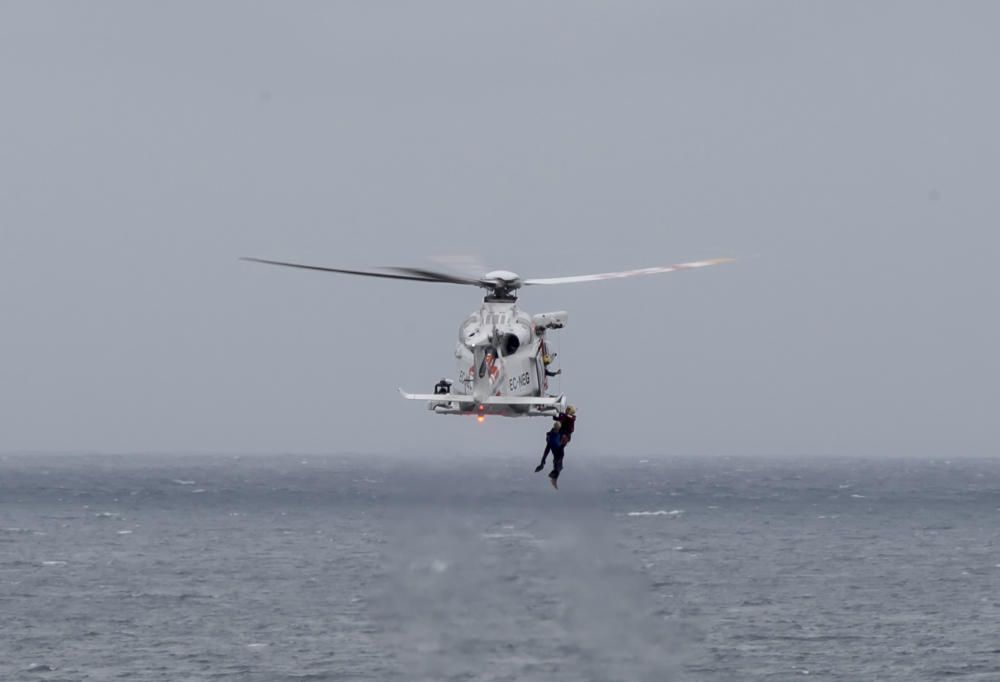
(502, 351)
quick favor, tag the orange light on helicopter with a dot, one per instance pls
(480, 419)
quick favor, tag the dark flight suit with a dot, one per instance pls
(553, 443)
(567, 423)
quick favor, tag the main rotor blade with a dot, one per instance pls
(628, 273)
(435, 276)
(364, 273)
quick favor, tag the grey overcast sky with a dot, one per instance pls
(847, 152)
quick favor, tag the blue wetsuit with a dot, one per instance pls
(554, 444)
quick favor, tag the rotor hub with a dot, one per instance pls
(502, 285)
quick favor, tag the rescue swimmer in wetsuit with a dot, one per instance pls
(555, 442)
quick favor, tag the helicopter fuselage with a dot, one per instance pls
(499, 357)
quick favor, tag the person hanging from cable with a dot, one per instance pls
(552, 437)
(567, 422)
(555, 442)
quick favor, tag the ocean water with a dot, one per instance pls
(375, 568)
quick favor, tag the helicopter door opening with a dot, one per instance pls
(488, 365)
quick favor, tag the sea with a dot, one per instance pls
(391, 567)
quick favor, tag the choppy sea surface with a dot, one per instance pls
(378, 568)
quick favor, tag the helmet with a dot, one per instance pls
(546, 359)
(571, 410)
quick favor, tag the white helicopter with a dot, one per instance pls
(501, 350)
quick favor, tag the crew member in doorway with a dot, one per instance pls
(546, 357)
(547, 360)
